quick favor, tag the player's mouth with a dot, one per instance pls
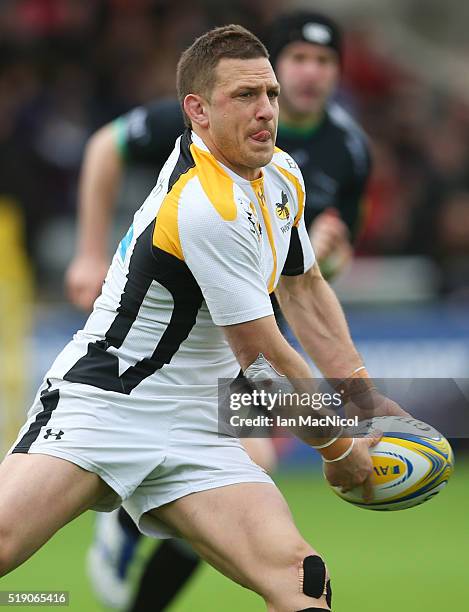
(311, 94)
(261, 136)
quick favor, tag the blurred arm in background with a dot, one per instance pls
(145, 135)
(100, 179)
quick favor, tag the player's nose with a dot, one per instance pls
(265, 110)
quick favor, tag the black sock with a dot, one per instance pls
(127, 523)
(166, 572)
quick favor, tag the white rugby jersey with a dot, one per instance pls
(205, 249)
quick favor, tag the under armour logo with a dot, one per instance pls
(56, 434)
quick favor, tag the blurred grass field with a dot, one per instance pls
(410, 561)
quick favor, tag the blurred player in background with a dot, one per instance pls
(331, 150)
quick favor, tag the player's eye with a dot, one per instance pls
(273, 93)
(246, 94)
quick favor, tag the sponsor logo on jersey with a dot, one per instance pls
(54, 434)
(254, 225)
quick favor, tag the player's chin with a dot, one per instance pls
(304, 105)
(262, 156)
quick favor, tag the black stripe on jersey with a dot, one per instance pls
(49, 401)
(99, 367)
(139, 279)
(294, 264)
(185, 160)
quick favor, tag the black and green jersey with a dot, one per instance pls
(333, 156)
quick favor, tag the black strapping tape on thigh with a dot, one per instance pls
(314, 576)
(314, 610)
(329, 594)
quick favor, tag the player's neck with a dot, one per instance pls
(249, 174)
(300, 124)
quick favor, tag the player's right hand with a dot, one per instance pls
(84, 279)
(356, 469)
(329, 234)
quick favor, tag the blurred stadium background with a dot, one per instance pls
(69, 66)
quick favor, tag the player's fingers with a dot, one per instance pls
(367, 488)
(73, 292)
(83, 299)
(338, 229)
(373, 437)
(335, 236)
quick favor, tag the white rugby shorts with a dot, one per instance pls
(150, 451)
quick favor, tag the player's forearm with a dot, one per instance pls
(294, 402)
(264, 354)
(316, 317)
(99, 184)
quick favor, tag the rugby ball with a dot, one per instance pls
(411, 463)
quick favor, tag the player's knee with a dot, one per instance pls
(316, 582)
(6, 552)
(306, 572)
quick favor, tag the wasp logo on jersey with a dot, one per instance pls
(282, 209)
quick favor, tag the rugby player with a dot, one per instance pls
(329, 147)
(332, 152)
(118, 419)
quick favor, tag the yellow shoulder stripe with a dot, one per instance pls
(217, 185)
(299, 191)
(166, 232)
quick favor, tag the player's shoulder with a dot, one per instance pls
(354, 137)
(343, 120)
(284, 162)
(288, 170)
(168, 106)
(206, 192)
(138, 120)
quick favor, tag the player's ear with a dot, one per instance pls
(196, 109)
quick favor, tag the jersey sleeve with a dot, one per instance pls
(225, 258)
(300, 257)
(147, 133)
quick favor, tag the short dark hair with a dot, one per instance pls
(196, 67)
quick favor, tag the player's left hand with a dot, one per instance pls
(371, 403)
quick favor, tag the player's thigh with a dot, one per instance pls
(244, 530)
(262, 452)
(39, 495)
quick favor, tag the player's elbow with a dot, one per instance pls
(248, 340)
